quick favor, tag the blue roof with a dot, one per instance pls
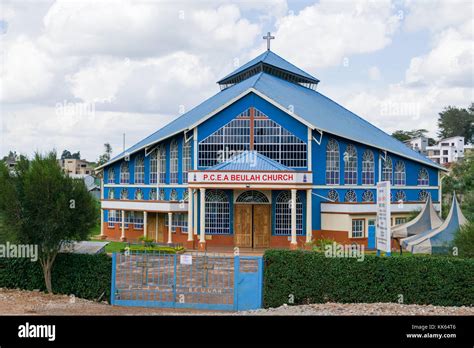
(275, 60)
(311, 106)
(251, 161)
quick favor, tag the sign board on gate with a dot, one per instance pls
(383, 231)
(186, 259)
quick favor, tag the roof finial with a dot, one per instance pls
(268, 37)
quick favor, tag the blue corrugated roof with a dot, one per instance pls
(271, 58)
(311, 106)
(252, 161)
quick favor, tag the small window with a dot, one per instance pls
(333, 196)
(399, 221)
(350, 196)
(153, 195)
(173, 195)
(124, 194)
(139, 195)
(368, 196)
(161, 195)
(423, 177)
(358, 228)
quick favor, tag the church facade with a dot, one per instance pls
(266, 162)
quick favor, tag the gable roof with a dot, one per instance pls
(274, 60)
(310, 107)
(251, 161)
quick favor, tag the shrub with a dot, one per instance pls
(464, 240)
(85, 276)
(309, 277)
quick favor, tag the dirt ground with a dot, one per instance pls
(19, 302)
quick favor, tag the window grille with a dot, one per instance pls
(332, 163)
(153, 195)
(400, 173)
(139, 194)
(217, 212)
(368, 196)
(161, 195)
(174, 162)
(423, 196)
(254, 197)
(350, 196)
(186, 160)
(173, 195)
(185, 195)
(283, 214)
(350, 167)
(154, 167)
(368, 168)
(112, 218)
(423, 177)
(139, 170)
(357, 228)
(400, 196)
(333, 195)
(124, 194)
(178, 220)
(162, 163)
(387, 170)
(124, 173)
(111, 194)
(111, 176)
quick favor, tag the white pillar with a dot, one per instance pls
(170, 222)
(123, 225)
(309, 213)
(102, 235)
(145, 224)
(190, 214)
(202, 217)
(309, 149)
(195, 211)
(293, 217)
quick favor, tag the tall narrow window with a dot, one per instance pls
(154, 167)
(387, 170)
(350, 165)
(217, 212)
(162, 163)
(124, 173)
(283, 214)
(174, 162)
(111, 176)
(400, 174)
(358, 228)
(186, 160)
(423, 177)
(368, 168)
(139, 170)
(332, 163)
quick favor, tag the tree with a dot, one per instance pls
(68, 155)
(43, 206)
(12, 155)
(104, 158)
(415, 133)
(455, 121)
(464, 240)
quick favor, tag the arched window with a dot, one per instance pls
(368, 168)
(253, 197)
(333, 196)
(350, 196)
(153, 195)
(400, 196)
(186, 160)
(174, 162)
(161, 195)
(387, 169)
(111, 176)
(423, 177)
(217, 212)
(283, 214)
(154, 167)
(350, 165)
(138, 194)
(332, 163)
(400, 175)
(173, 195)
(368, 196)
(423, 196)
(124, 173)
(124, 194)
(162, 163)
(111, 194)
(139, 170)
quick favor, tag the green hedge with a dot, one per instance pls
(310, 277)
(85, 276)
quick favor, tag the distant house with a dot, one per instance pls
(76, 166)
(448, 150)
(419, 144)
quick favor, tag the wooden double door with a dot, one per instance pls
(156, 228)
(252, 225)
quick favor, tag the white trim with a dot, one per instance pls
(142, 206)
(367, 187)
(352, 208)
(309, 149)
(320, 136)
(195, 148)
(147, 185)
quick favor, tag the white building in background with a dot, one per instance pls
(418, 144)
(448, 150)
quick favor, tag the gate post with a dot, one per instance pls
(174, 280)
(112, 286)
(236, 281)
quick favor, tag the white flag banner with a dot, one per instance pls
(383, 231)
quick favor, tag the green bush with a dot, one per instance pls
(464, 240)
(85, 276)
(310, 277)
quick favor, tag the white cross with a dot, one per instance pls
(268, 37)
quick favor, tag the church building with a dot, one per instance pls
(266, 162)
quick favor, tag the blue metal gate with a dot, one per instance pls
(191, 280)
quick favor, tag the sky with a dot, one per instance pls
(77, 74)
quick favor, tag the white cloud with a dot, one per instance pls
(323, 34)
(374, 73)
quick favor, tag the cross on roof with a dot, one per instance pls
(268, 37)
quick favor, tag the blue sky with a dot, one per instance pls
(77, 74)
